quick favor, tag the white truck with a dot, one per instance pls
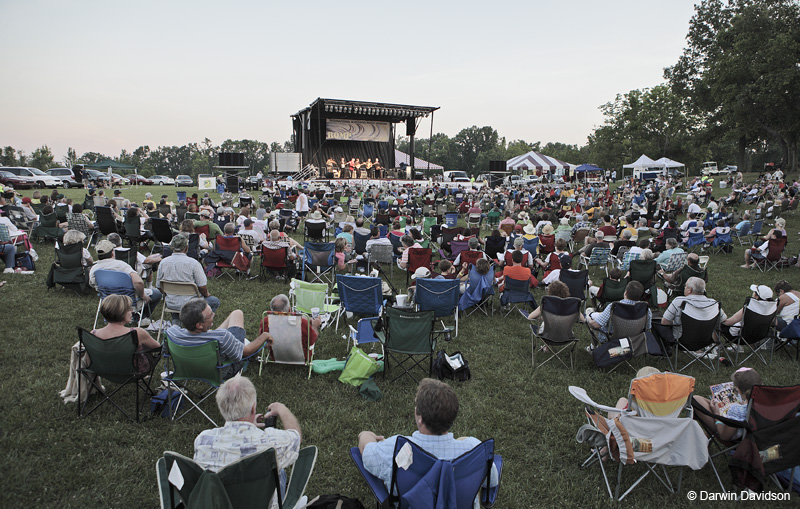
(455, 176)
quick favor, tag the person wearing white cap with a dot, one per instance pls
(734, 323)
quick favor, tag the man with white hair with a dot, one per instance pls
(244, 432)
(670, 329)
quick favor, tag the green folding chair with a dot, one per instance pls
(304, 296)
(408, 340)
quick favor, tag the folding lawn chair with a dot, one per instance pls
(516, 293)
(287, 345)
(358, 295)
(431, 482)
(611, 291)
(364, 334)
(656, 429)
(111, 282)
(440, 296)
(417, 257)
(273, 261)
(695, 239)
(722, 242)
(67, 270)
(675, 262)
(628, 324)
(757, 331)
(319, 261)
(577, 281)
(598, 258)
(556, 337)
(774, 257)
(699, 325)
(176, 289)
(479, 293)
(304, 296)
(744, 233)
(118, 361)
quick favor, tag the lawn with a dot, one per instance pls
(52, 458)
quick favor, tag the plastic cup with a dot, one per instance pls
(401, 300)
(315, 313)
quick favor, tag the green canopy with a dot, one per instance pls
(105, 163)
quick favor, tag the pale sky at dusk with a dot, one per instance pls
(105, 75)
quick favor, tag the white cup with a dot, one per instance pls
(401, 300)
(314, 313)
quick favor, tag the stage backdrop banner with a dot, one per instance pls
(357, 130)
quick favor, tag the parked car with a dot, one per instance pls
(65, 175)
(119, 180)
(139, 180)
(9, 179)
(98, 178)
(183, 181)
(162, 180)
(36, 176)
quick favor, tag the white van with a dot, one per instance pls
(455, 176)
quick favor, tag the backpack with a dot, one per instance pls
(443, 369)
(158, 404)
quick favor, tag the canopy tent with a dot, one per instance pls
(587, 167)
(419, 164)
(669, 163)
(109, 163)
(643, 162)
(539, 162)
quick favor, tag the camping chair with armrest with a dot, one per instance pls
(516, 293)
(225, 249)
(508, 228)
(458, 483)
(249, 482)
(319, 261)
(287, 340)
(675, 262)
(251, 241)
(492, 219)
(315, 232)
(479, 294)
(531, 245)
(273, 261)
(474, 221)
(61, 210)
(628, 324)
(440, 296)
(471, 257)
(547, 244)
(381, 255)
(448, 235)
(132, 232)
(774, 258)
(645, 271)
(557, 337)
(364, 334)
(111, 282)
(358, 295)
(579, 238)
(676, 288)
(577, 281)
(200, 364)
(180, 213)
(717, 446)
(396, 245)
(78, 222)
(495, 247)
(660, 417)
(418, 257)
(48, 228)
(118, 361)
(744, 233)
(755, 230)
(456, 248)
(67, 269)
(700, 326)
(611, 291)
(427, 225)
(408, 341)
(360, 242)
(694, 240)
(304, 296)
(757, 330)
(177, 289)
(598, 258)
(162, 232)
(722, 242)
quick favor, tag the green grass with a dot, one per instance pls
(51, 458)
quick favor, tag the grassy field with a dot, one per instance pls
(52, 458)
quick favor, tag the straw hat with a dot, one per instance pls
(547, 229)
(316, 215)
(529, 229)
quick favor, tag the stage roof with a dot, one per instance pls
(361, 110)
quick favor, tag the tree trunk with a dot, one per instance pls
(740, 154)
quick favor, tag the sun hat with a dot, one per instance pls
(205, 213)
(547, 229)
(764, 292)
(316, 215)
(421, 272)
(564, 220)
(529, 229)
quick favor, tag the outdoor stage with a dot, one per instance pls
(379, 183)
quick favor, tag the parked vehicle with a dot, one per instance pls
(183, 181)
(36, 176)
(9, 179)
(252, 182)
(65, 175)
(162, 180)
(139, 180)
(119, 180)
(97, 178)
(455, 176)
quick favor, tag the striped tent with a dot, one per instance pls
(538, 162)
(419, 164)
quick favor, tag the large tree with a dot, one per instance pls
(740, 71)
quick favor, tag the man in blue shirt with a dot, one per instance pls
(602, 321)
(435, 411)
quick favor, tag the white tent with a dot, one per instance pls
(643, 162)
(669, 163)
(538, 163)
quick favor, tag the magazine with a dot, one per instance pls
(723, 396)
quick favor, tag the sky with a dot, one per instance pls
(103, 76)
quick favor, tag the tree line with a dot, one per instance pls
(733, 96)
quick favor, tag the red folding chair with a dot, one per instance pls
(224, 244)
(273, 260)
(418, 257)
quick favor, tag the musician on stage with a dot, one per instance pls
(351, 166)
(342, 168)
(369, 165)
(378, 168)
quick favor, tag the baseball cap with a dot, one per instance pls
(104, 247)
(764, 292)
(421, 272)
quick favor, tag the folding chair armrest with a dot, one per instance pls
(301, 473)
(696, 407)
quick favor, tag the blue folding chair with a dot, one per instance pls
(111, 282)
(722, 241)
(383, 230)
(360, 242)
(440, 296)
(369, 210)
(319, 259)
(695, 239)
(451, 219)
(755, 230)
(364, 333)
(516, 292)
(431, 482)
(479, 292)
(741, 234)
(531, 245)
(359, 295)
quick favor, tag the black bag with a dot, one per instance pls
(611, 353)
(334, 502)
(442, 368)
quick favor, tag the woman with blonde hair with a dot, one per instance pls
(118, 312)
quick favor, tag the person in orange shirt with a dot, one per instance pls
(517, 271)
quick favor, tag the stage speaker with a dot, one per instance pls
(497, 166)
(231, 159)
(411, 127)
(233, 182)
(329, 175)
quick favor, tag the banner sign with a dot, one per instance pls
(357, 130)
(206, 183)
